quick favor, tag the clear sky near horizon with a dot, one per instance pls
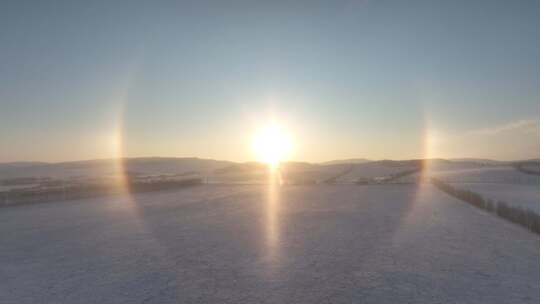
(370, 79)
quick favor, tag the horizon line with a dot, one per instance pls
(254, 161)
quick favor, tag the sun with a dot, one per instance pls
(272, 144)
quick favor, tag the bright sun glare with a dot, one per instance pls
(272, 144)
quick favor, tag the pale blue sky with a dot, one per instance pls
(194, 78)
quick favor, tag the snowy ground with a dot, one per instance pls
(256, 244)
(526, 196)
(496, 174)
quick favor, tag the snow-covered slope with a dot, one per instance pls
(497, 174)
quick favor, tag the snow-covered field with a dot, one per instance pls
(495, 174)
(498, 183)
(526, 196)
(263, 244)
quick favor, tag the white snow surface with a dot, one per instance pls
(525, 196)
(495, 174)
(258, 244)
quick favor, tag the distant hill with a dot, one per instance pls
(224, 170)
(106, 167)
(22, 164)
(438, 161)
(480, 161)
(235, 168)
(347, 161)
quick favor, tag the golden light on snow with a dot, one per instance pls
(272, 144)
(272, 223)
